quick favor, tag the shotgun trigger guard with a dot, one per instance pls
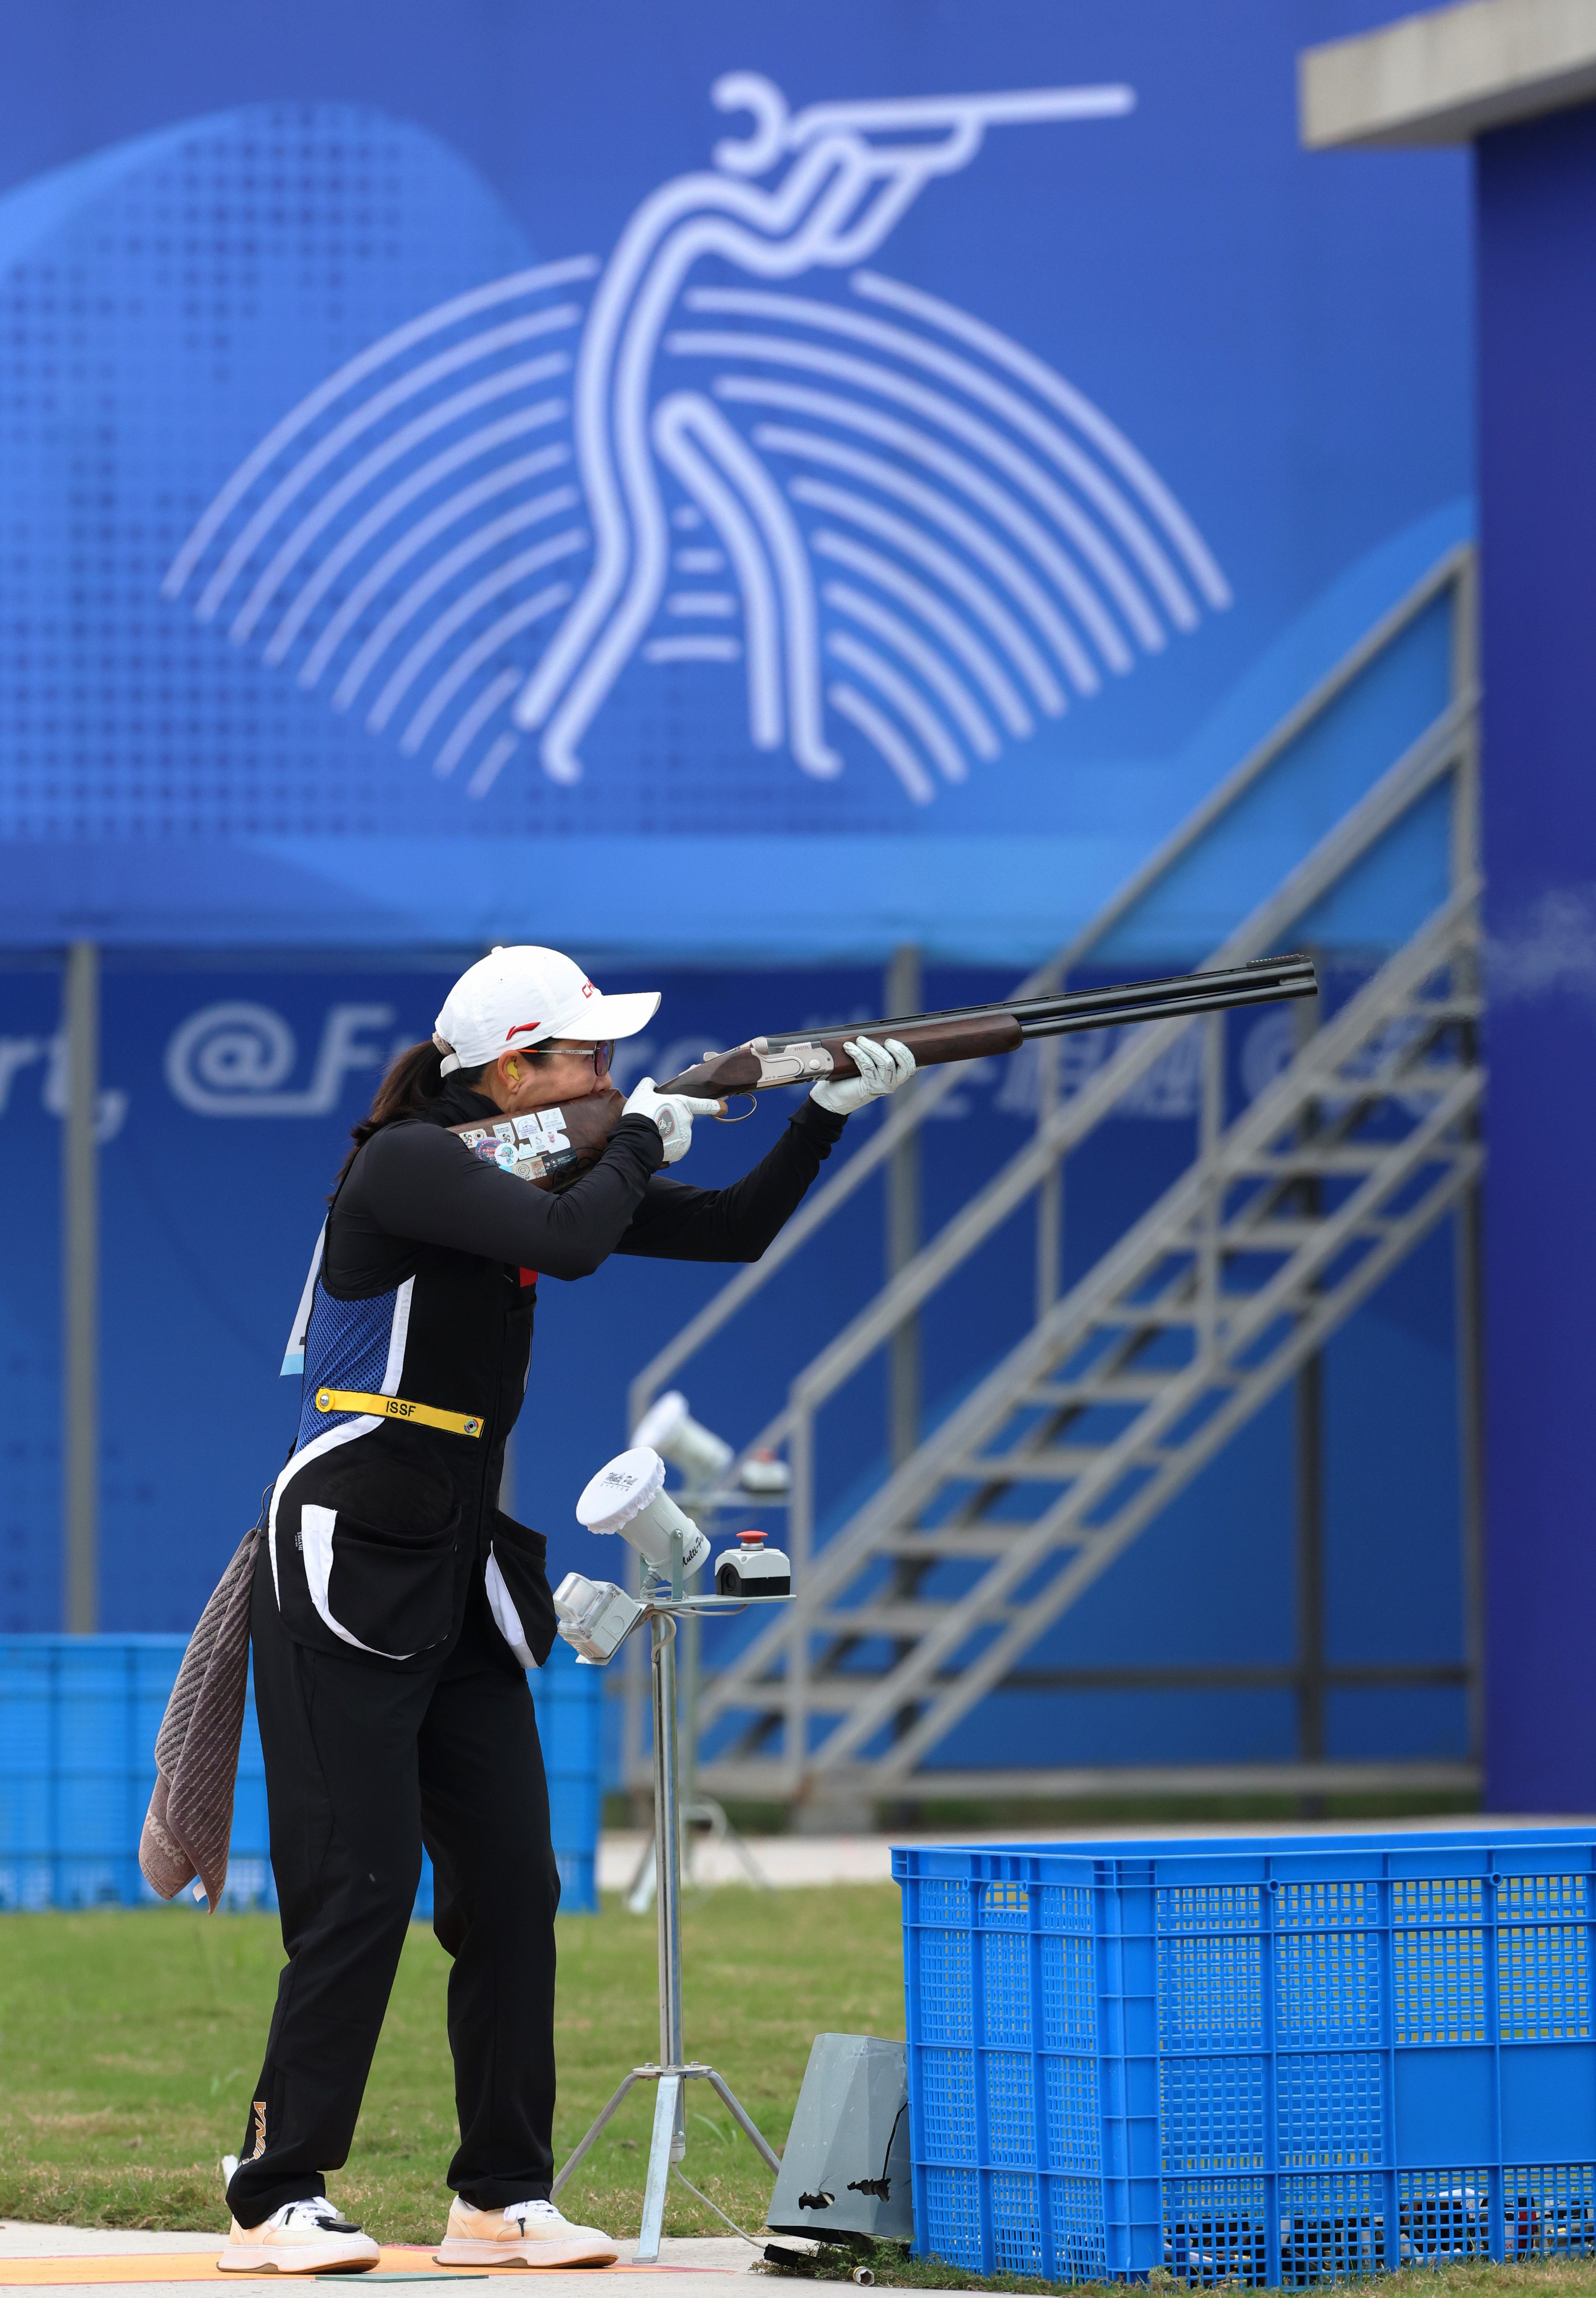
(723, 1115)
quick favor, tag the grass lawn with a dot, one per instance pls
(130, 2040)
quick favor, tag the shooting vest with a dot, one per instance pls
(385, 1514)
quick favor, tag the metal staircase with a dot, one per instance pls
(1293, 1210)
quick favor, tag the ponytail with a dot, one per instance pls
(412, 1085)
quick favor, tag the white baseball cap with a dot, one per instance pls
(524, 996)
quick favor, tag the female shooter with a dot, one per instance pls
(395, 1605)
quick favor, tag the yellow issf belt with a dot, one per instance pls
(397, 1408)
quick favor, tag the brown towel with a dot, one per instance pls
(189, 1824)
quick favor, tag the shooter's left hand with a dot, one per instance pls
(882, 1068)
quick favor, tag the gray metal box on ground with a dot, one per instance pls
(846, 2167)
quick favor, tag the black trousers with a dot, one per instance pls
(364, 1765)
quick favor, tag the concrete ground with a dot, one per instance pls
(169, 2265)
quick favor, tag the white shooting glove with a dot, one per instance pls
(882, 1068)
(672, 1112)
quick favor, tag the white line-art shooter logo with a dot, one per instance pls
(734, 445)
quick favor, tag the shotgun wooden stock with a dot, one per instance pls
(549, 1147)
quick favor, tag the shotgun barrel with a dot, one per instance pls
(961, 1033)
(1293, 974)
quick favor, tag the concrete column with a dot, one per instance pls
(1517, 78)
(1536, 191)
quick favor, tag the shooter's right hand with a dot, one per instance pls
(672, 1112)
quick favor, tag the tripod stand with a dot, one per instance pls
(695, 1806)
(663, 1607)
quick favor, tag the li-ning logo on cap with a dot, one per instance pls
(521, 1026)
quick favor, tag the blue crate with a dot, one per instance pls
(1278, 2061)
(78, 1716)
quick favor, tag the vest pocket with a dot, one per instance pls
(518, 1591)
(391, 1597)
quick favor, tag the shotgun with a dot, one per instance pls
(550, 1147)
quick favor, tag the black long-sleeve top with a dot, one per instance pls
(416, 1182)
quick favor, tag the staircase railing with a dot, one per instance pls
(787, 1685)
(1454, 573)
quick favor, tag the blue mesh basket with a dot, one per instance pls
(78, 1716)
(1277, 2061)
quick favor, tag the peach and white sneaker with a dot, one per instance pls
(308, 2237)
(523, 2234)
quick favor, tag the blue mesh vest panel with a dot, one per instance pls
(346, 1346)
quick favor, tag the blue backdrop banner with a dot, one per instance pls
(724, 481)
(225, 1112)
